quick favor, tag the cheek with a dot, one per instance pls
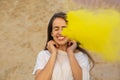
(66, 39)
(54, 34)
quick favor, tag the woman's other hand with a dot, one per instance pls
(72, 45)
(52, 46)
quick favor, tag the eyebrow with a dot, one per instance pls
(64, 26)
(58, 26)
(55, 27)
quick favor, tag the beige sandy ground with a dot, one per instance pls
(23, 25)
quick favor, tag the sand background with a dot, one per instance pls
(23, 27)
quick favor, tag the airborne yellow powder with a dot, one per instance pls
(97, 31)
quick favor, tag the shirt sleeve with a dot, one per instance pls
(84, 64)
(41, 61)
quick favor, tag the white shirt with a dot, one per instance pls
(62, 69)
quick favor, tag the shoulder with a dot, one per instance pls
(43, 53)
(82, 59)
(81, 55)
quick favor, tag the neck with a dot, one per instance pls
(63, 47)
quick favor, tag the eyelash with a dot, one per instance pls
(56, 29)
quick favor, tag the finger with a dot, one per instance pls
(70, 43)
(55, 44)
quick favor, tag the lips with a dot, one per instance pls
(60, 38)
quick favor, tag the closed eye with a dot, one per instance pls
(55, 28)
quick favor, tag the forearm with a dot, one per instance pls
(76, 69)
(46, 73)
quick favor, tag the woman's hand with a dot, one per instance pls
(75, 67)
(72, 45)
(52, 46)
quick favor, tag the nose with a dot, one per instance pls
(60, 31)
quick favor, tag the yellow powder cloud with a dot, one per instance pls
(97, 31)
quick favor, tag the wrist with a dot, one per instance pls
(70, 52)
(54, 53)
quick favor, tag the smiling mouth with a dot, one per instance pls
(60, 38)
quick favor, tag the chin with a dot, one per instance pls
(62, 43)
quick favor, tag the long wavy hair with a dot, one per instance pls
(49, 37)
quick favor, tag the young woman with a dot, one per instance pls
(62, 58)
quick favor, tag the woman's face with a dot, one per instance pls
(57, 27)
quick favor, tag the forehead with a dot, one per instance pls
(59, 22)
